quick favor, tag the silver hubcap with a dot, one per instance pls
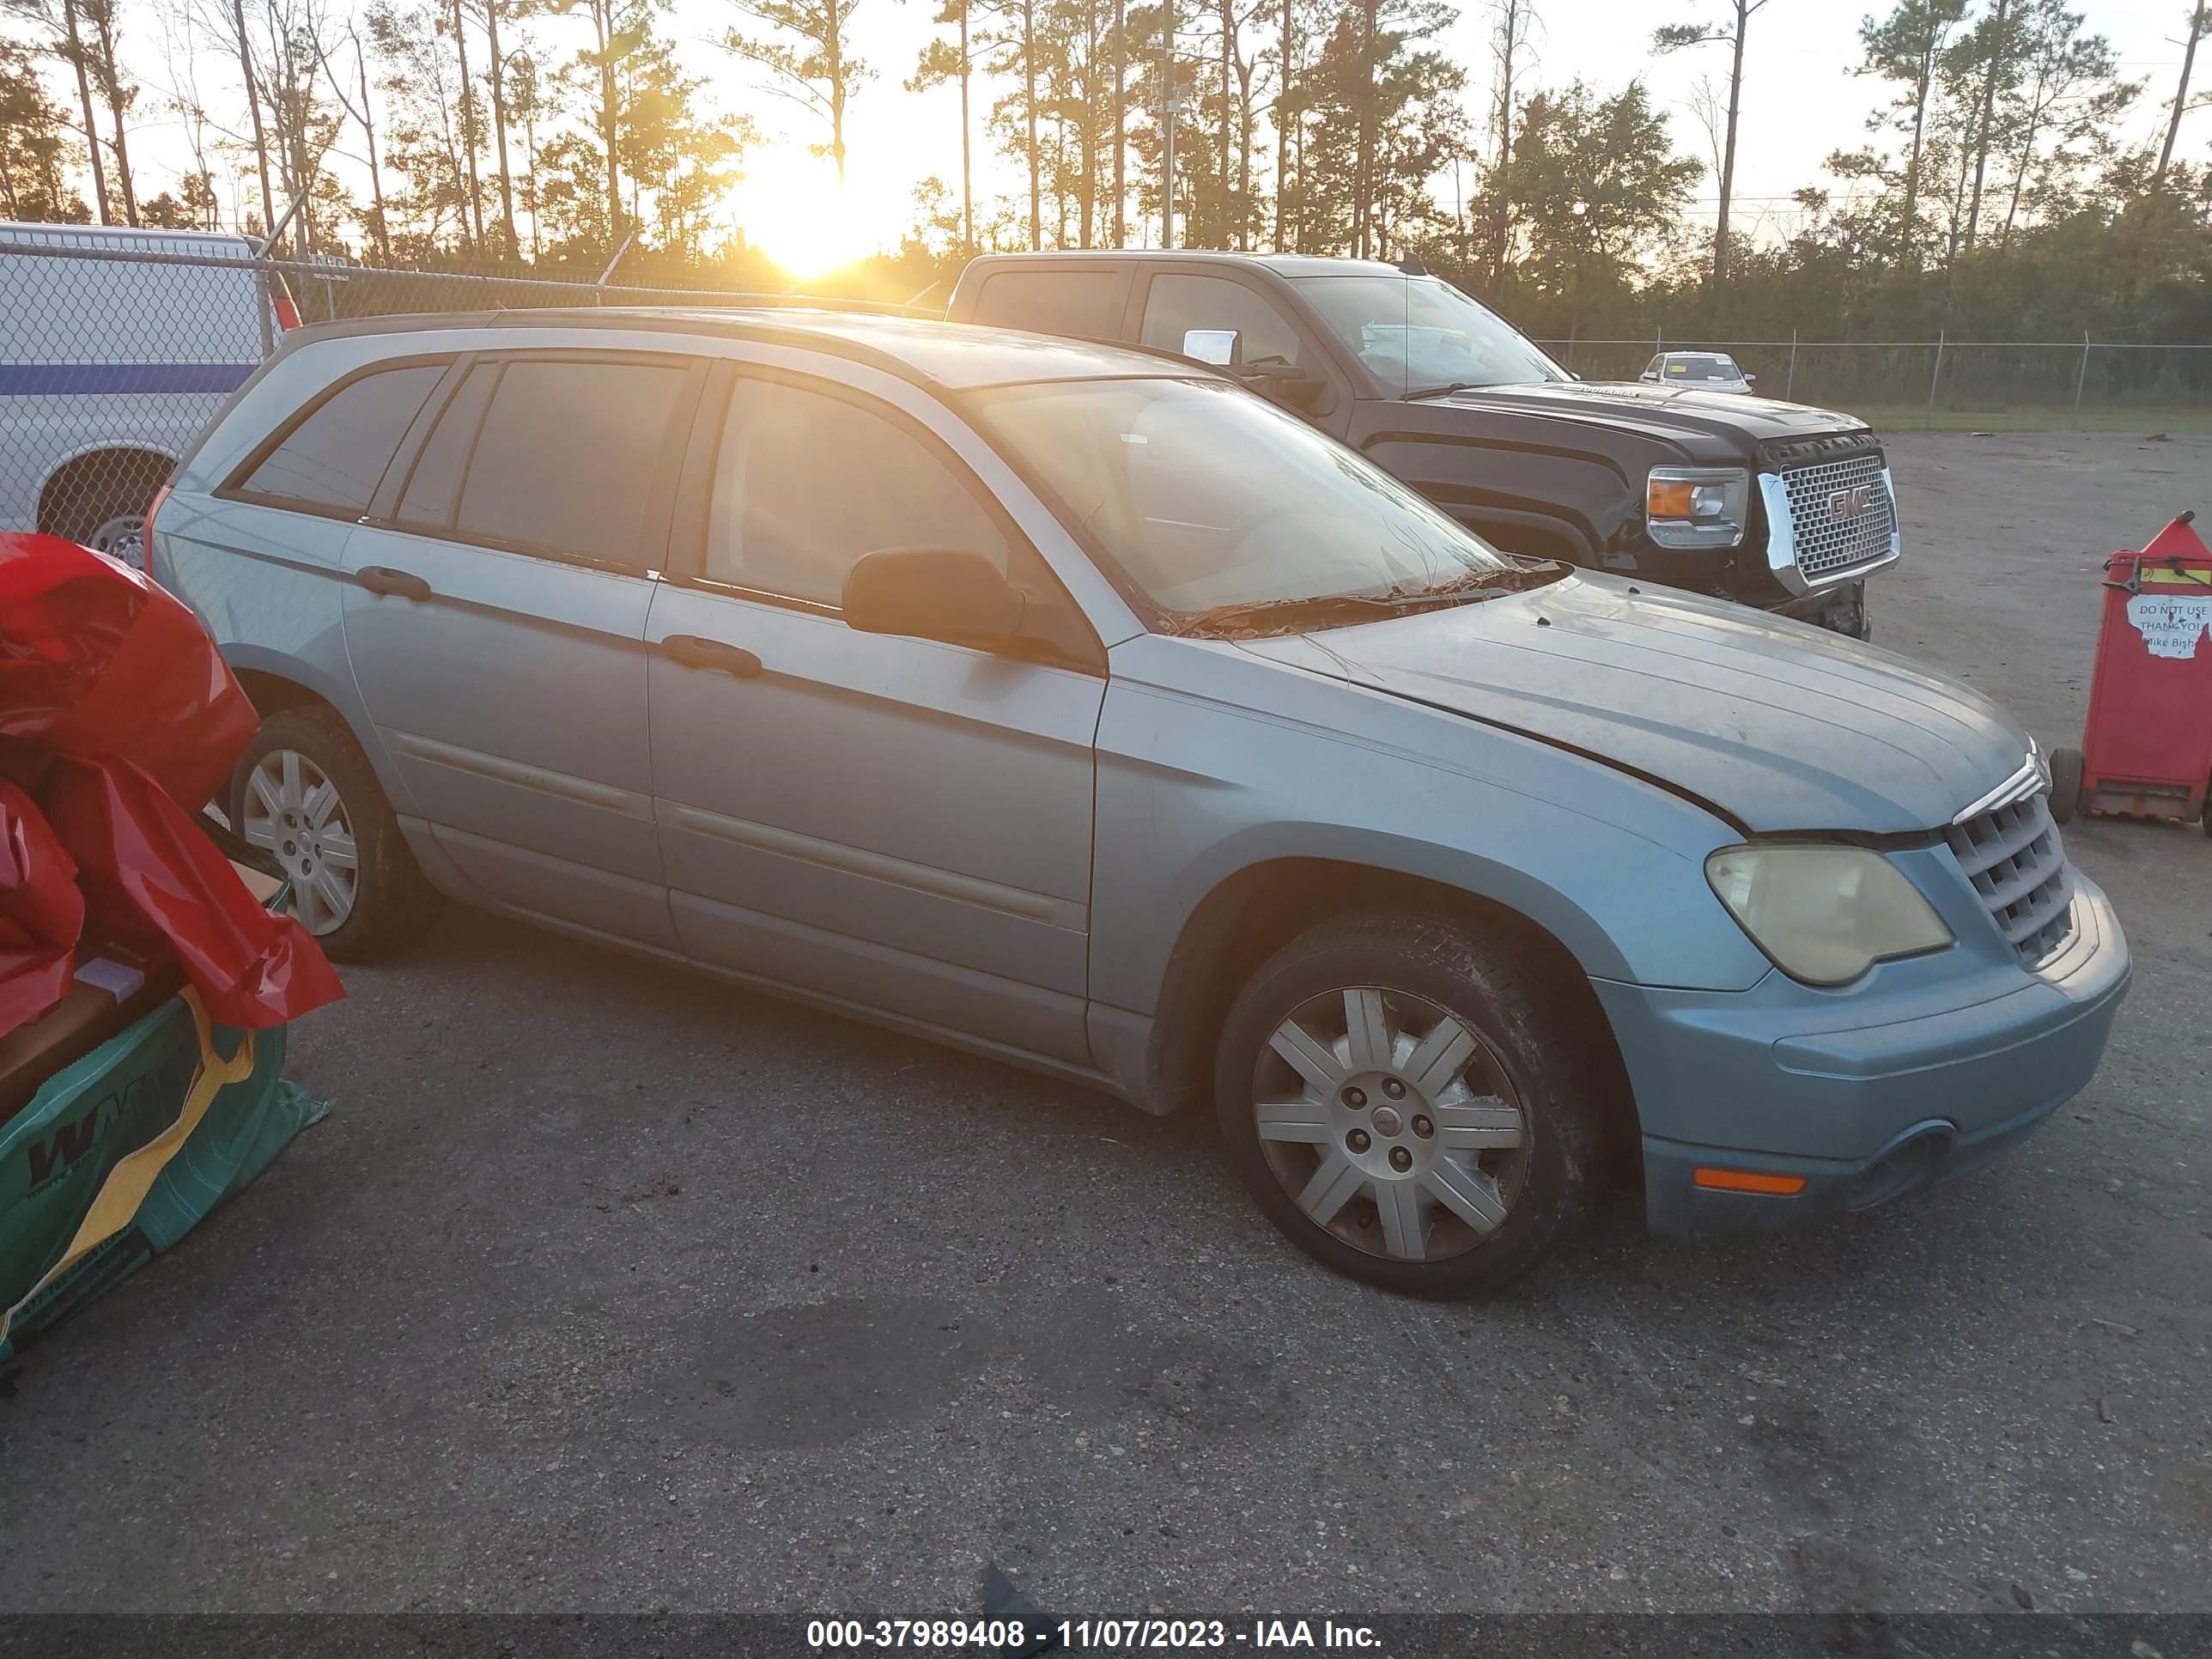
(1391, 1122)
(293, 812)
(122, 537)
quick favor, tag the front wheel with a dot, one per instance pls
(1411, 1103)
(2065, 784)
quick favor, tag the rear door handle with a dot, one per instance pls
(396, 584)
(693, 651)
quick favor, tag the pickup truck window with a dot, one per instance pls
(1176, 304)
(1206, 496)
(1417, 334)
(1086, 304)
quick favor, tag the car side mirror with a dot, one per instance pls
(1750, 380)
(1224, 348)
(933, 593)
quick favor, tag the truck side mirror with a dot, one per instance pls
(1222, 347)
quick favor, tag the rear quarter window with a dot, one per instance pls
(1085, 304)
(332, 458)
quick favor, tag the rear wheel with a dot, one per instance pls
(1410, 1104)
(102, 504)
(305, 795)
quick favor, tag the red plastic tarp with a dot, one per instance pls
(119, 719)
(41, 911)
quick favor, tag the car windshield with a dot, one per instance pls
(1702, 368)
(1209, 498)
(1417, 334)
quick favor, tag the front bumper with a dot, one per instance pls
(1840, 609)
(1939, 1080)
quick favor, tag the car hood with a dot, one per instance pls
(1780, 725)
(1664, 407)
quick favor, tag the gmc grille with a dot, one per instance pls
(1841, 514)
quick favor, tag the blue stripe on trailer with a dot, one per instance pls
(81, 380)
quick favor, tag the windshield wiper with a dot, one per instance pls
(1283, 616)
(1445, 390)
(1482, 584)
(1279, 616)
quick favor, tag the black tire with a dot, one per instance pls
(1530, 1038)
(393, 901)
(2065, 784)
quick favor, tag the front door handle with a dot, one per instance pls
(693, 651)
(395, 584)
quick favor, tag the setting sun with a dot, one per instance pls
(789, 207)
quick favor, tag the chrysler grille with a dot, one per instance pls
(2013, 856)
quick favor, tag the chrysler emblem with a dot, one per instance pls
(1845, 504)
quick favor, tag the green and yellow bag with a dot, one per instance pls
(123, 1152)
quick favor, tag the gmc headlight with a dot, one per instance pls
(1697, 505)
(1825, 914)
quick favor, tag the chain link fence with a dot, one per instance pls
(2084, 385)
(116, 349)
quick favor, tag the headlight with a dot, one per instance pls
(1825, 914)
(1697, 505)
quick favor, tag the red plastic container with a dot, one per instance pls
(2147, 748)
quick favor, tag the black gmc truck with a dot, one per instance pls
(1766, 503)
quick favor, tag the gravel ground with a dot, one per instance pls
(605, 1288)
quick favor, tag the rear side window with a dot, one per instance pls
(332, 459)
(428, 502)
(564, 460)
(1086, 304)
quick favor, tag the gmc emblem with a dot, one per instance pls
(1848, 504)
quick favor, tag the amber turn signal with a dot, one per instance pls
(1748, 1180)
(1667, 498)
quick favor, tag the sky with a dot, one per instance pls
(1801, 102)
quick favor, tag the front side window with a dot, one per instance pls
(564, 460)
(1176, 304)
(1207, 497)
(807, 484)
(334, 458)
(1416, 334)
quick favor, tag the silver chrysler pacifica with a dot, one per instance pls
(1074, 705)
